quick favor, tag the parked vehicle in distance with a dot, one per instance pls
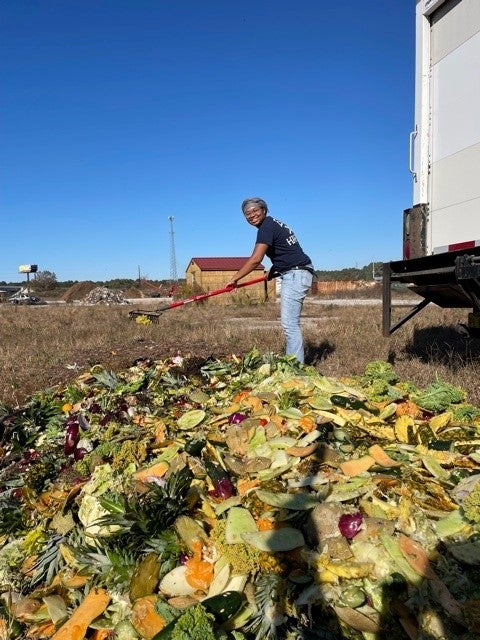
(441, 231)
(26, 298)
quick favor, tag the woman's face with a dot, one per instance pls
(255, 215)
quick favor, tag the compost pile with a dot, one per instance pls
(246, 498)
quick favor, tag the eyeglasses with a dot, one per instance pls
(250, 212)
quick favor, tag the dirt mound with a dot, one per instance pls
(78, 291)
(133, 293)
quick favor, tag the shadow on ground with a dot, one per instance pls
(450, 346)
(315, 353)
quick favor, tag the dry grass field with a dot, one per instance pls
(49, 345)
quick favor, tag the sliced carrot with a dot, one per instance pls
(265, 524)
(241, 395)
(244, 485)
(69, 580)
(357, 466)
(382, 458)
(103, 634)
(40, 630)
(145, 619)
(416, 556)
(156, 471)
(93, 605)
(408, 408)
(199, 573)
(254, 403)
(307, 424)
(418, 559)
(75, 582)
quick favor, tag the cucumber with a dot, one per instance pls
(224, 605)
(194, 446)
(166, 632)
(347, 403)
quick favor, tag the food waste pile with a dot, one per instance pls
(243, 498)
(104, 295)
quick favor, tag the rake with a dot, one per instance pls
(154, 315)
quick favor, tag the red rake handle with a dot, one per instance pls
(209, 294)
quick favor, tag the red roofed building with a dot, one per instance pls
(209, 274)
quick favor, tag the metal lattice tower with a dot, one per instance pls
(173, 259)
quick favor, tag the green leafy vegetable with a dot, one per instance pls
(103, 523)
(380, 370)
(438, 396)
(471, 504)
(195, 624)
(466, 413)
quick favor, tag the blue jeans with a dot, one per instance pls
(295, 286)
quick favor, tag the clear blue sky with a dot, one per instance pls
(116, 114)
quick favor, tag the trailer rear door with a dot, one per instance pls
(454, 181)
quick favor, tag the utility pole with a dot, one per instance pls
(173, 260)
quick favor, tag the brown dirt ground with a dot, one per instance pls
(120, 357)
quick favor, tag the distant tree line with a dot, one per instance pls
(47, 280)
(369, 272)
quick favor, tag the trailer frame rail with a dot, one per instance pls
(449, 280)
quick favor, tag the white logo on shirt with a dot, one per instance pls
(292, 239)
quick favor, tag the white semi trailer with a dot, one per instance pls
(441, 231)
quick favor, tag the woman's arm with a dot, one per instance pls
(252, 263)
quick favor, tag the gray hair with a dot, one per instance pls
(256, 202)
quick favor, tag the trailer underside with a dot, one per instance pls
(449, 280)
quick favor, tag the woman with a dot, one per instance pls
(278, 242)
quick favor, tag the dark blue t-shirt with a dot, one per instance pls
(284, 249)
